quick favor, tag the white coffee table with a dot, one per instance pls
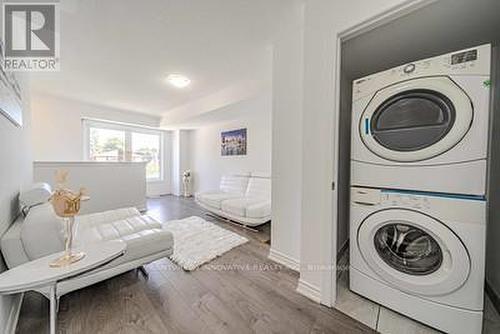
(38, 274)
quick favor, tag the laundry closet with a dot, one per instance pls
(419, 165)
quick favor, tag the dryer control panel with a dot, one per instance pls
(473, 61)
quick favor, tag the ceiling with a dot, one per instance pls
(117, 53)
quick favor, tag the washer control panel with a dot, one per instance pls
(373, 197)
(390, 198)
(366, 196)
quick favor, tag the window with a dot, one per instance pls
(106, 144)
(146, 147)
(114, 142)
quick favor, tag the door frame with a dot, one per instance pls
(329, 279)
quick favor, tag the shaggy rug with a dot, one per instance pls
(197, 241)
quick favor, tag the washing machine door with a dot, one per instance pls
(416, 120)
(413, 252)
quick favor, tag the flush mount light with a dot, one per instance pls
(178, 80)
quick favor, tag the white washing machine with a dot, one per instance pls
(424, 125)
(420, 255)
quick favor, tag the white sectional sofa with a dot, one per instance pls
(40, 233)
(243, 199)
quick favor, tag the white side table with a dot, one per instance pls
(38, 274)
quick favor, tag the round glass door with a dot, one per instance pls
(416, 120)
(408, 249)
(413, 120)
(413, 252)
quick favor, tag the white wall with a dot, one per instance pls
(181, 159)
(303, 132)
(58, 131)
(57, 126)
(324, 19)
(287, 141)
(205, 159)
(15, 172)
(103, 181)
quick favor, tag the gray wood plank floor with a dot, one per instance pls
(239, 292)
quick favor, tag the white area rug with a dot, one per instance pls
(197, 241)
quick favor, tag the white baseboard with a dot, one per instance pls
(284, 259)
(304, 288)
(10, 326)
(310, 291)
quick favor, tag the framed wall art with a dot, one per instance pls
(234, 142)
(10, 95)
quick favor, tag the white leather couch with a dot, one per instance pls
(41, 233)
(243, 199)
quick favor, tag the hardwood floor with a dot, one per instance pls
(239, 292)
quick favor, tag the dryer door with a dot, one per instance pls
(416, 120)
(413, 252)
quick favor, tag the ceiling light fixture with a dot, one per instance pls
(178, 80)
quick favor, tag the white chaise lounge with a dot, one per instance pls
(41, 234)
(243, 199)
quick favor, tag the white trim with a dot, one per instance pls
(128, 125)
(382, 18)
(91, 163)
(15, 310)
(283, 259)
(328, 293)
(310, 291)
(104, 124)
(85, 139)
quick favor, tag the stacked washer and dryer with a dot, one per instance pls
(419, 154)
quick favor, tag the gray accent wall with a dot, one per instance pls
(442, 27)
(493, 228)
(15, 172)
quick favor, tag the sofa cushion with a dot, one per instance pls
(115, 230)
(142, 234)
(259, 187)
(94, 219)
(235, 206)
(42, 232)
(234, 184)
(259, 210)
(246, 207)
(215, 199)
(145, 243)
(33, 195)
(12, 245)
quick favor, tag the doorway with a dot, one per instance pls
(437, 28)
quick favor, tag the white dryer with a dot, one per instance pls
(420, 255)
(424, 125)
